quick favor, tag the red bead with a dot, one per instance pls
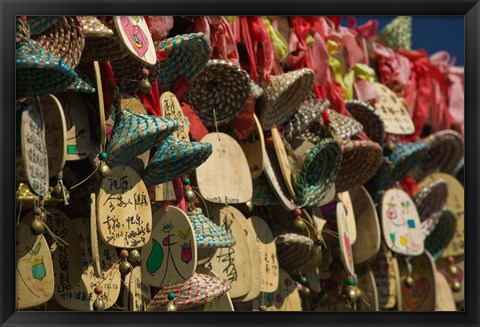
(124, 254)
(297, 212)
(98, 290)
(145, 72)
(451, 260)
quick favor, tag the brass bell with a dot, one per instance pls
(145, 85)
(391, 145)
(171, 307)
(190, 195)
(134, 256)
(249, 206)
(57, 190)
(262, 308)
(305, 291)
(38, 226)
(456, 286)
(104, 170)
(453, 270)
(299, 224)
(125, 267)
(99, 305)
(352, 295)
(409, 281)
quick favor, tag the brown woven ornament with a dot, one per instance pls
(283, 96)
(219, 92)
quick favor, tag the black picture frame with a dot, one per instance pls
(10, 8)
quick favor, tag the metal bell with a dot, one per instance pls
(190, 195)
(352, 295)
(299, 224)
(456, 286)
(409, 281)
(171, 306)
(38, 227)
(262, 308)
(305, 291)
(125, 267)
(453, 270)
(249, 206)
(57, 190)
(145, 85)
(134, 256)
(99, 305)
(104, 170)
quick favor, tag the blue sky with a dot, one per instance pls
(431, 33)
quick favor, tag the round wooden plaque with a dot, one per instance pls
(34, 150)
(171, 254)
(225, 176)
(134, 33)
(401, 224)
(80, 296)
(171, 109)
(392, 111)
(55, 133)
(269, 269)
(124, 213)
(34, 267)
(254, 148)
(232, 263)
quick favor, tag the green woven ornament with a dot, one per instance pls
(397, 34)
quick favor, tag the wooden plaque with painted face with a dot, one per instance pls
(34, 267)
(232, 263)
(456, 203)
(401, 224)
(124, 212)
(346, 254)
(171, 254)
(254, 148)
(420, 297)
(55, 133)
(221, 303)
(225, 176)
(78, 128)
(393, 112)
(81, 296)
(34, 150)
(269, 269)
(135, 36)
